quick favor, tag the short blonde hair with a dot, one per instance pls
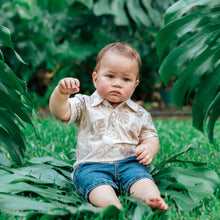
(121, 48)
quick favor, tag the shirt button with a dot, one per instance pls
(110, 128)
(105, 103)
(113, 114)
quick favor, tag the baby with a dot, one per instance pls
(117, 138)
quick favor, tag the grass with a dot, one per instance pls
(175, 134)
(59, 140)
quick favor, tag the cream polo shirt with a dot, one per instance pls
(107, 134)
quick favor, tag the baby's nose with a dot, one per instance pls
(117, 83)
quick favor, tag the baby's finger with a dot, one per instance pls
(146, 161)
(62, 84)
(68, 83)
(74, 83)
(77, 83)
(138, 150)
(142, 156)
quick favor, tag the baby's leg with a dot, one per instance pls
(147, 190)
(104, 196)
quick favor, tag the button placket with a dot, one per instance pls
(111, 121)
(105, 103)
(113, 114)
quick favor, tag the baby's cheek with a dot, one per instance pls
(102, 90)
(128, 93)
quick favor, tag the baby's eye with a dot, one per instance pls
(127, 79)
(110, 76)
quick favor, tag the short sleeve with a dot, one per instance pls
(76, 105)
(147, 129)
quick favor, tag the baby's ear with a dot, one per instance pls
(94, 77)
(136, 83)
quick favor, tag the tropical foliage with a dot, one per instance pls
(16, 104)
(51, 37)
(62, 38)
(189, 50)
(42, 187)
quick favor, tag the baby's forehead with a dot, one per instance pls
(116, 56)
(121, 51)
(115, 51)
(120, 54)
(115, 61)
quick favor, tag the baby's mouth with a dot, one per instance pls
(115, 92)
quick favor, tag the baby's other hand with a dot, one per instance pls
(68, 86)
(144, 154)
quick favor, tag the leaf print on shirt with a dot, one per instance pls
(127, 150)
(134, 132)
(140, 112)
(106, 152)
(83, 121)
(123, 116)
(98, 128)
(116, 121)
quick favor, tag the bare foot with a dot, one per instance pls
(157, 203)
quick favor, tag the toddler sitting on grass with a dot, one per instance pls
(117, 138)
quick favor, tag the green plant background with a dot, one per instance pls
(61, 38)
(64, 37)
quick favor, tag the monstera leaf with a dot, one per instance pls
(189, 50)
(15, 106)
(141, 12)
(184, 185)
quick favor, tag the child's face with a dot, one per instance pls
(116, 78)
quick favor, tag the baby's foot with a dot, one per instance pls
(157, 203)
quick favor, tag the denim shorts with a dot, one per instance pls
(122, 174)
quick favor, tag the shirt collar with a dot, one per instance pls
(132, 105)
(96, 100)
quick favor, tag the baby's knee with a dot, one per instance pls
(104, 196)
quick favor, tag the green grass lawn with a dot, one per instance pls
(59, 140)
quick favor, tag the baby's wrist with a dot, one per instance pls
(62, 93)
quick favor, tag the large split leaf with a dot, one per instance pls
(137, 13)
(140, 11)
(46, 192)
(5, 40)
(188, 47)
(13, 204)
(40, 190)
(49, 160)
(102, 7)
(43, 172)
(119, 12)
(186, 186)
(20, 206)
(16, 105)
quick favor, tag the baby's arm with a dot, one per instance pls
(59, 104)
(147, 150)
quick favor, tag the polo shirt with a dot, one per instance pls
(107, 134)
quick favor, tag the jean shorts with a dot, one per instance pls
(119, 175)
